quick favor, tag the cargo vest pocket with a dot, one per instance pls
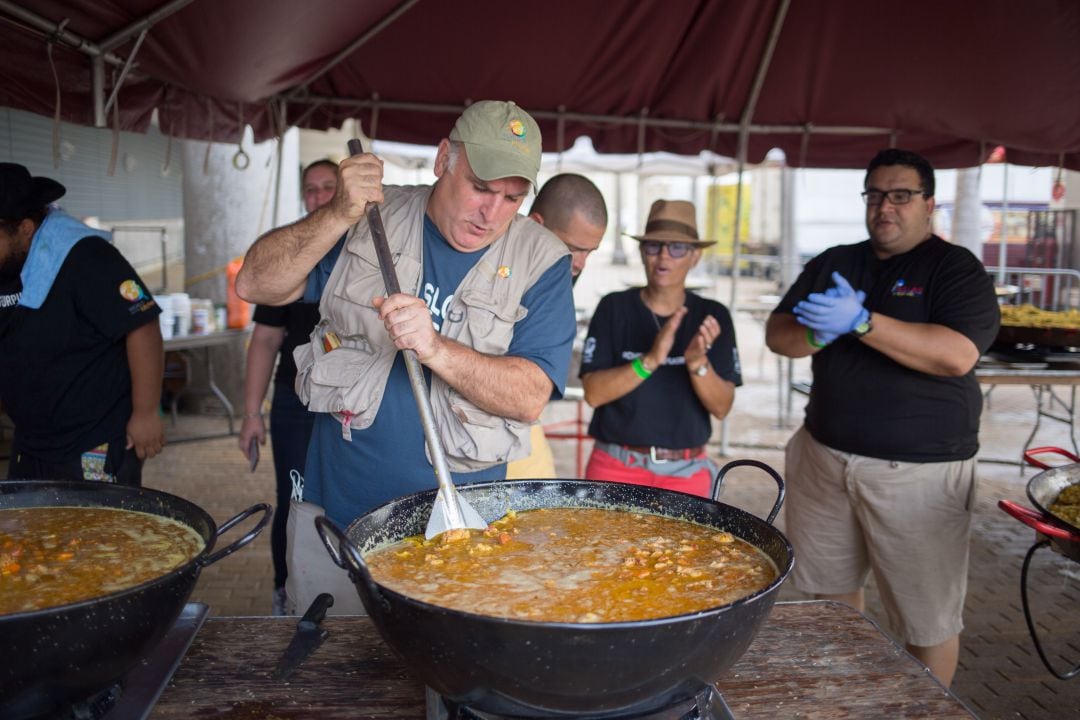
(363, 280)
(490, 325)
(475, 439)
(304, 358)
(334, 383)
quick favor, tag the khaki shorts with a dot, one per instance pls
(910, 523)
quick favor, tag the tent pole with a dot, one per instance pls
(744, 138)
(280, 109)
(143, 25)
(97, 86)
(735, 247)
(124, 73)
(76, 42)
(736, 242)
(1004, 239)
(615, 120)
(744, 142)
(98, 54)
(618, 255)
(354, 46)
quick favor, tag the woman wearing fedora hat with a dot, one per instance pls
(658, 363)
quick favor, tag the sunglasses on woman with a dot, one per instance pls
(674, 249)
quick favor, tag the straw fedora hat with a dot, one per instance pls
(673, 221)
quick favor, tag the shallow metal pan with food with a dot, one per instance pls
(1042, 491)
(1043, 336)
(539, 669)
(1052, 531)
(59, 655)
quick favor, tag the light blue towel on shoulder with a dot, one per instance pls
(52, 242)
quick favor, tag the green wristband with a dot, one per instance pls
(639, 367)
(813, 340)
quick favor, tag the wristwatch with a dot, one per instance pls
(863, 327)
(703, 370)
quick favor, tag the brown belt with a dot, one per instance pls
(658, 453)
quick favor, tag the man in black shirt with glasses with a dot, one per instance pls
(882, 474)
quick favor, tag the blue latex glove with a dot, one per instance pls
(824, 338)
(826, 314)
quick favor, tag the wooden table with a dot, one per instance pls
(811, 659)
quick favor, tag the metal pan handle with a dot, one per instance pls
(345, 555)
(266, 510)
(761, 466)
(1029, 456)
(1037, 521)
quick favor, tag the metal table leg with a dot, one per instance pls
(217, 391)
(1045, 400)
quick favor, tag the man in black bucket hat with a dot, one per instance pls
(80, 346)
(21, 194)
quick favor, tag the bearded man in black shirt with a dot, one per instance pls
(882, 474)
(80, 344)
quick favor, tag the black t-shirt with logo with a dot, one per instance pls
(299, 319)
(865, 403)
(663, 411)
(64, 377)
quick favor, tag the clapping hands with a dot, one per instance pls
(834, 312)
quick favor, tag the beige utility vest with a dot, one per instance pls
(349, 380)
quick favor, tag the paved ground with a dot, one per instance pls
(1000, 674)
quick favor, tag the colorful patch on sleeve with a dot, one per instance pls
(131, 291)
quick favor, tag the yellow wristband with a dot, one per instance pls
(639, 367)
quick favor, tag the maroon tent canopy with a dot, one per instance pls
(828, 81)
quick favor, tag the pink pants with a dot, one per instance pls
(604, 467)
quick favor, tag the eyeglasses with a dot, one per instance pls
(896, 197)
(674, 249)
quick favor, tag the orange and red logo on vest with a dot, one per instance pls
(131, 290)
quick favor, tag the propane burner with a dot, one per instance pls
(707, 704)
(134, 695)
(95, 707)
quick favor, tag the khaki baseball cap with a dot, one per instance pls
(501, 140)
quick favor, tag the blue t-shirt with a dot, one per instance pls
(387, 460)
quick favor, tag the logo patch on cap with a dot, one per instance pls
(130, 290)
(518, 128)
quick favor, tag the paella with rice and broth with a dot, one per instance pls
(576, 565)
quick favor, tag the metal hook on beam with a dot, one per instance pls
(240, 160)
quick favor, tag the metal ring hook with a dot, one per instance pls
(241, 159)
